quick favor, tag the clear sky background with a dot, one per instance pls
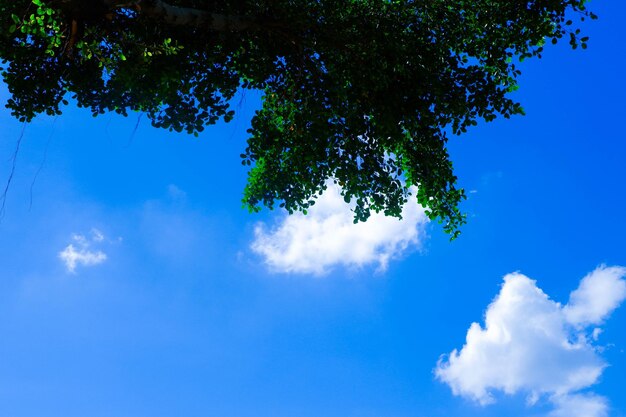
(132, 282)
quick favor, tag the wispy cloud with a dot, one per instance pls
(327, 236)
(579, 405)
(538, 347)
(80, 252)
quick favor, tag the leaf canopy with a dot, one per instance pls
(362, 92)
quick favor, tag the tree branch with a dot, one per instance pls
(187, 16)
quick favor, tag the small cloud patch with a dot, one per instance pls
(81, 252)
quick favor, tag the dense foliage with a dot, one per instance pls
(363, 92)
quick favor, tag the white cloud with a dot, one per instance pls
(327, 236)
(73, 257)
(599, 293)
(535, 346)
(82, 254)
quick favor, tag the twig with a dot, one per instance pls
(43, 161)
(3, 197)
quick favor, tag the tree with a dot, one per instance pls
(363, 92)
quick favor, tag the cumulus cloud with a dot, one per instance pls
(327, 236)
(81, 253)
(533, 345)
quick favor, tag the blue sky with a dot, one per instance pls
(134, 284)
